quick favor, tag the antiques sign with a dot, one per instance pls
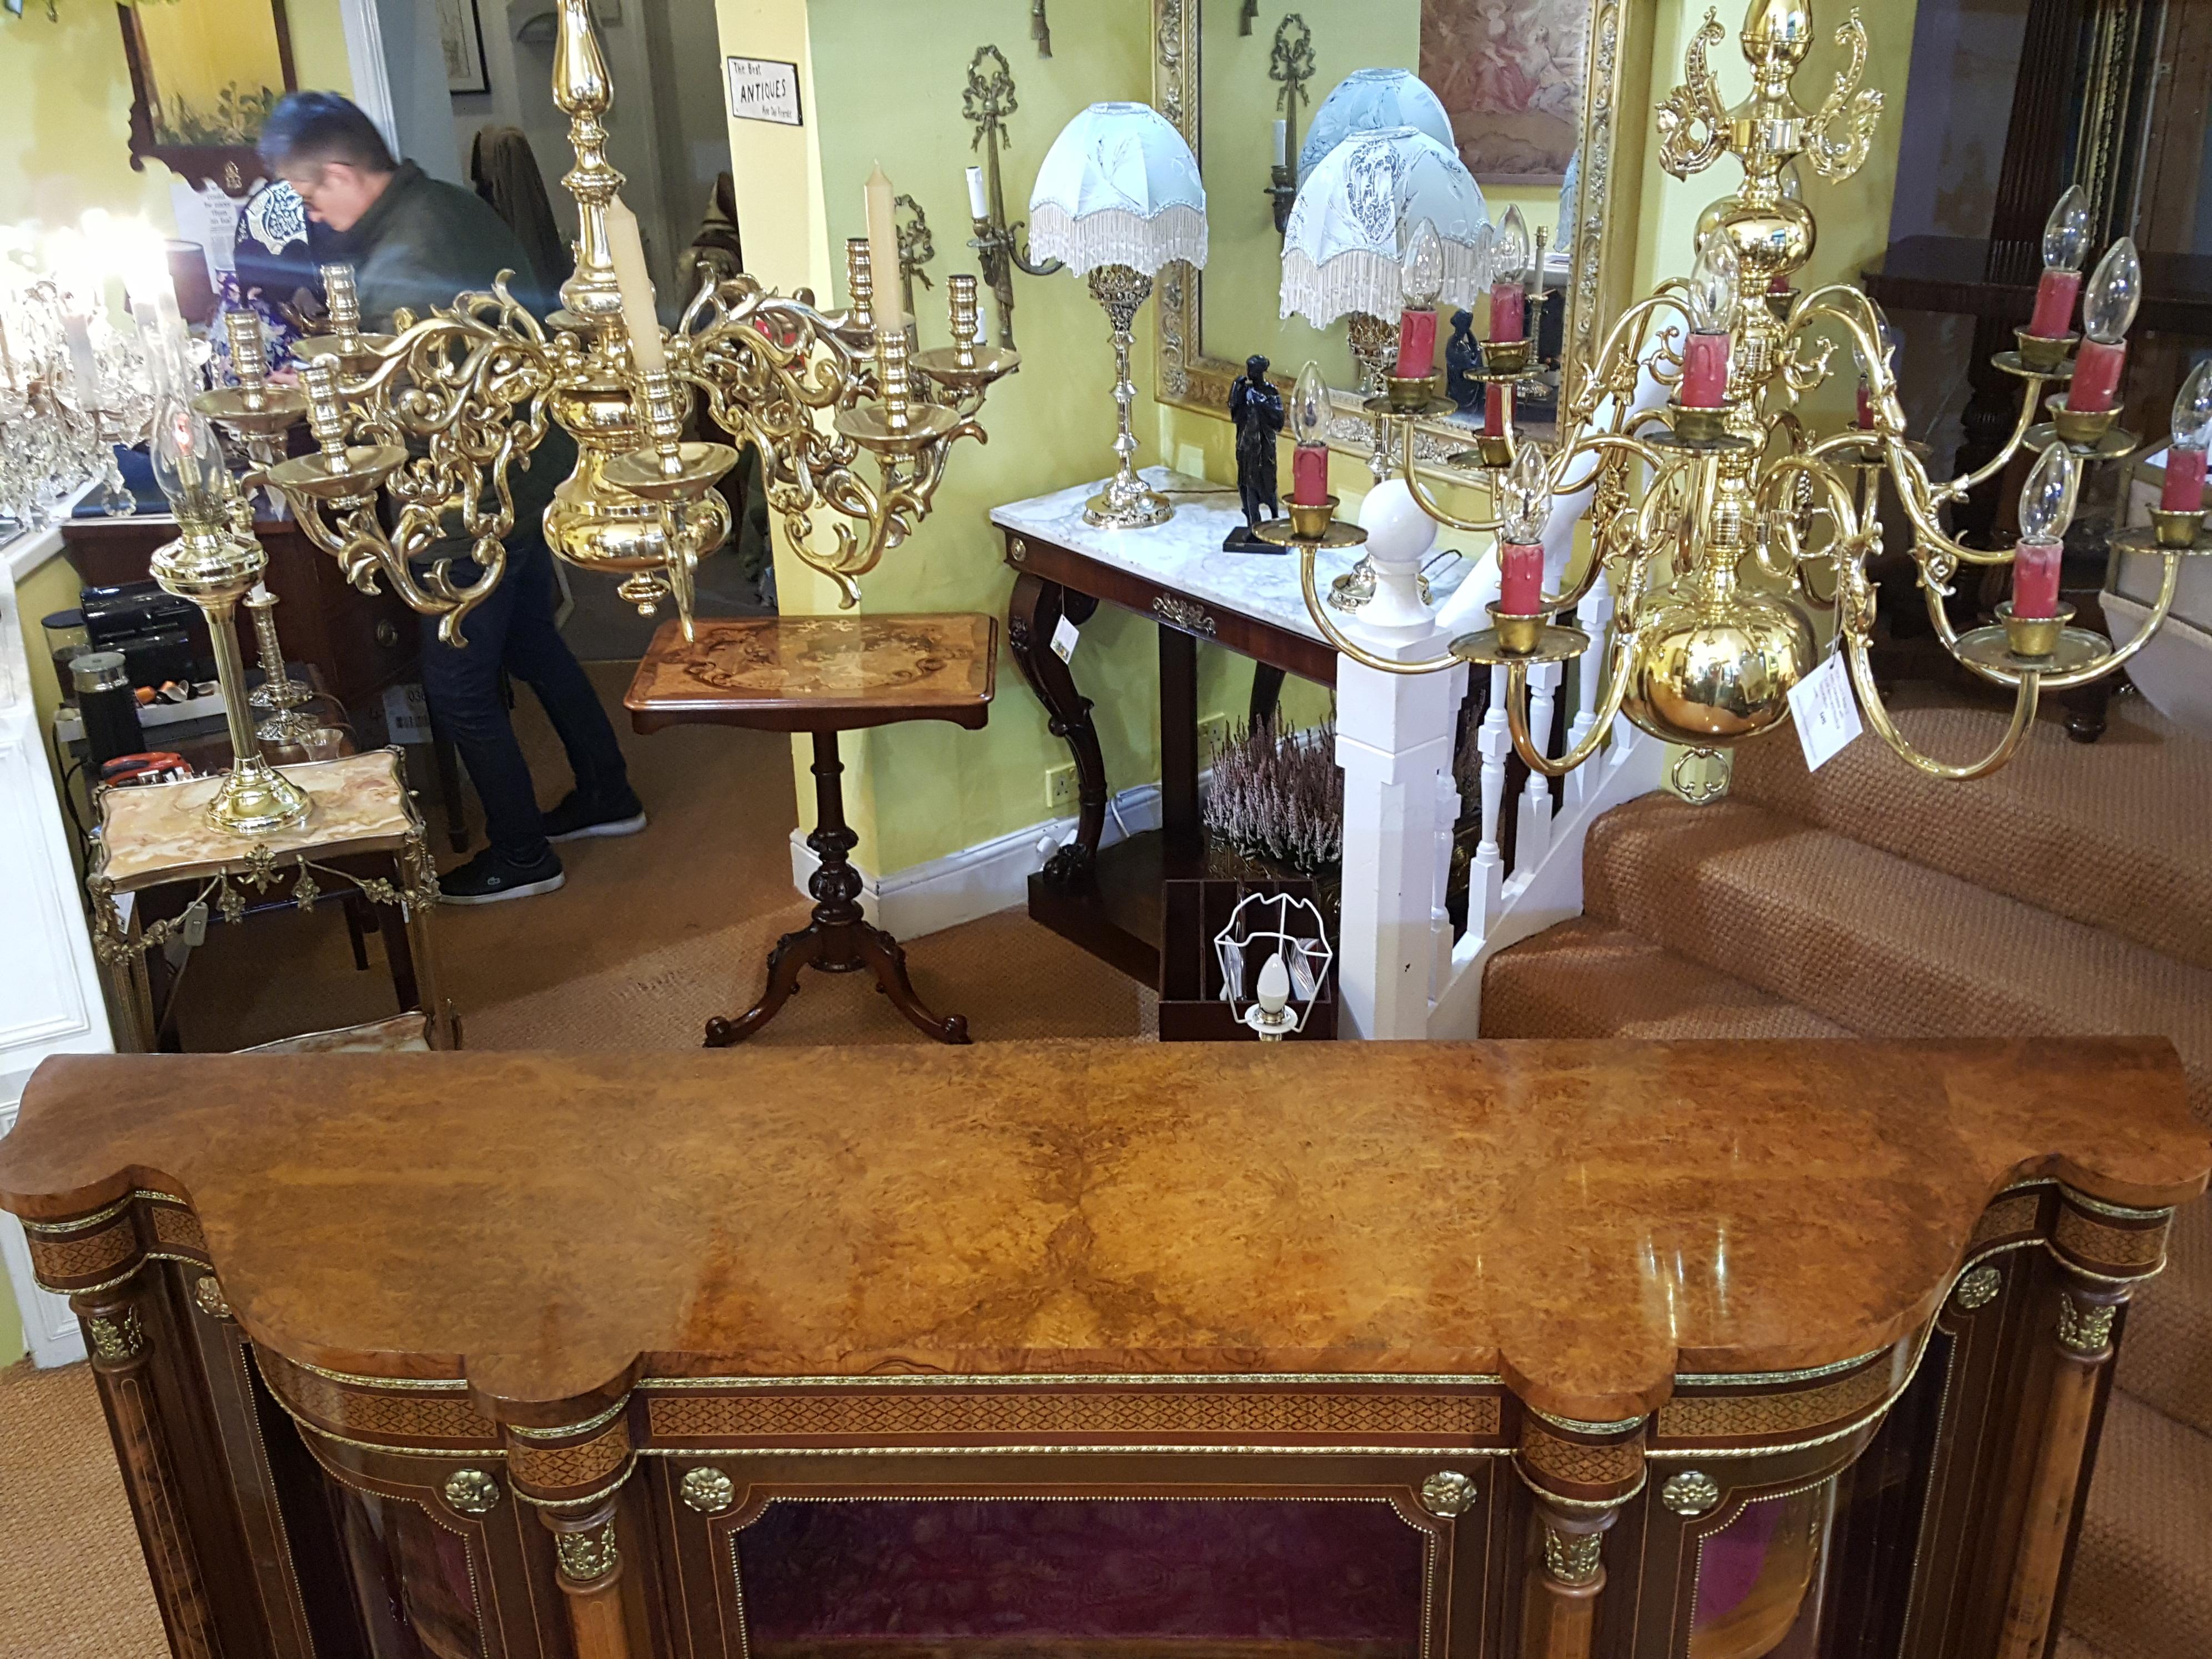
(762, 89)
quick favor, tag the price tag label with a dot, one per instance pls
(1065, 639)
(1825, 712)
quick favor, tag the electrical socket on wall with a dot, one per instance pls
(1060, 791)
(1212, 737)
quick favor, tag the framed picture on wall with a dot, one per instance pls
(205, 74)
(1510, 73)
(460, 32)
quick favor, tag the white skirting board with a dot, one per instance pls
(976, 881)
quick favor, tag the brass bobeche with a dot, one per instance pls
(1708, 523)
(436, 415)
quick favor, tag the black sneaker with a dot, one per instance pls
(576, 818)
(490, 876)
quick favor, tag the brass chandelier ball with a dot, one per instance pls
(1711, 668)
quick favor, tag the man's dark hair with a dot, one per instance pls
(312, 128)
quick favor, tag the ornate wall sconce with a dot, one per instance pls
(987, 103)
(1290, 63)
(916, 248)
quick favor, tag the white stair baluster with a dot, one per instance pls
(1534, 838)
(1592, 615)
(1487, 880)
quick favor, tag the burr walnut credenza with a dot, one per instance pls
(1393, 1350)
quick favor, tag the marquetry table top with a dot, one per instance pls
(1585, 1219)
(832, 673)
(155, 833)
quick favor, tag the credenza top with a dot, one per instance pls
(1586, 1218)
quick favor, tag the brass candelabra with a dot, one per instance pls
(1710, 515)
(433, 417)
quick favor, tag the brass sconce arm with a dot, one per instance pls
(1877, 713)
(988, 101)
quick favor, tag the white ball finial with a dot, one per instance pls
(1398, 531)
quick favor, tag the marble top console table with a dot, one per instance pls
(1176, 575)
(1406, 1351)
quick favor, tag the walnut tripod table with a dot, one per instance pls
(824, 675)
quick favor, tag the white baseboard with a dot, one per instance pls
(976, 881)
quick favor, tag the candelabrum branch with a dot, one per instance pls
(1877, 713)
(1621, 654)
(1337, 637)
(349, 531)
(2168, 586)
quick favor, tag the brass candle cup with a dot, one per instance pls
(2176, 526)
(1518, 635)
(2040, 352)
(1310, 522)
(2032, 639)
(2082, 427)
(1508, 357)
(1700, 426)
(1410, 394)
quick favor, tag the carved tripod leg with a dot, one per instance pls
(887, 957)
(2102, 1247)
(1032, 614)
(793, 952)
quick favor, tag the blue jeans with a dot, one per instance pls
(513, 629)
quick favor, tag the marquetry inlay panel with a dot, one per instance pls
(178, 1230)
(64, 1261)
(1757, 1416)
(1579, 1462)
(2006, 1218)
(573, 1467)
(415, 1417)
(1217, 1416)
(2100, 1244)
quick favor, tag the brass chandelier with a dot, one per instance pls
(1711, 515)
(432, 418)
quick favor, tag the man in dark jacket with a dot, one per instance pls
(417, 243)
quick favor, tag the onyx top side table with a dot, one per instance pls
(824, 675)
(362, 822)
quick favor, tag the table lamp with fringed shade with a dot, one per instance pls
(1373, 100)
(1119, 196)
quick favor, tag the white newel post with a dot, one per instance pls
(51, 1000)
(1394, 740)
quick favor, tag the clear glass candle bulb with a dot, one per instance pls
(2192, 409)
(2115, 290)
(2066, 232)
(1713, 281)
(1421, 272)
(1509, 253)
(1528, 497)
(2046, 501)
(1309, 406)
(188, 464)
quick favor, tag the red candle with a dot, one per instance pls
(2054, 304)
(2035, 579)
(1520, 580)
(2185, 481)
(1866, 405)
(1417, 343)
(1777, 283)
(1310, 474)
(2096, 376)
(1496, 409)
(1508, 312)
(1704, 371)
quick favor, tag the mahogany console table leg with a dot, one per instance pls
(1183, 834)
(1032, 615)
(1266, 695)
(2102, 1249)
(839, 939)
(115, 1333)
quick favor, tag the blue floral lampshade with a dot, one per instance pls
(1119, 187)
(1341, 250)
(1374, 100)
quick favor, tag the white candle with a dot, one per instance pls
(1282, 143)
(83, 364)
(882, 247)
(260, 593)
(979, 205)
(626, 248)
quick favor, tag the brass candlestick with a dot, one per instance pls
(279, 693)
(986, 104)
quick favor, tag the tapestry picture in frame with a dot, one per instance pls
(1510, 74)
(460, 37)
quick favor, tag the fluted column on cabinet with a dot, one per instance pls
(2103, 1250)
(573, 1476)
(96, 1260)
(1581, 1474)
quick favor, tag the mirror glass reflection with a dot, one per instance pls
(1507, 78)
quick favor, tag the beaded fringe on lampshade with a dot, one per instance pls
(1362, 280)
(1118, 237)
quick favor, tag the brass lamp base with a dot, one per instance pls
(1127, 503)
(2041, 353)
(255, 799)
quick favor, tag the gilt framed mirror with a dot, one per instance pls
(205, 75)
(1532, 88)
